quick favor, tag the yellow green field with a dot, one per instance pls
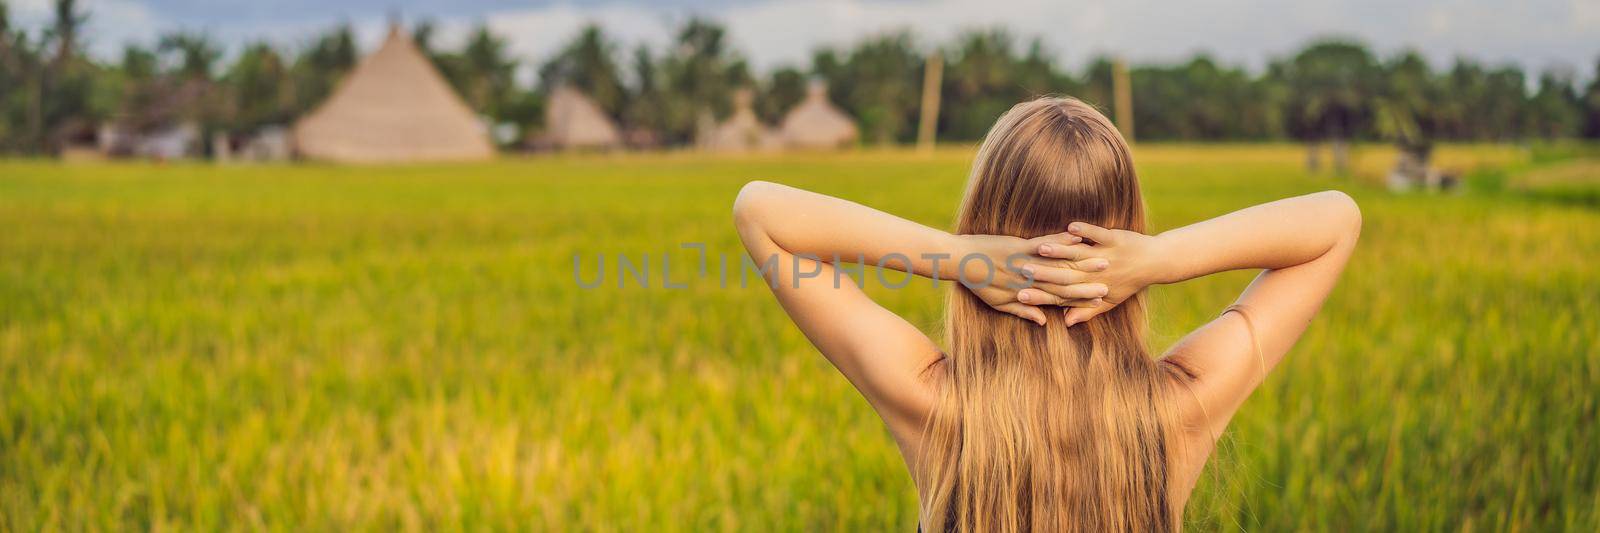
(331, 348)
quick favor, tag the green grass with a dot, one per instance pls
(316, 348)
(1575, 182)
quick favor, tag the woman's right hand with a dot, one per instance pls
(1124, 261)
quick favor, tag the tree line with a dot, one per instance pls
(53, 93)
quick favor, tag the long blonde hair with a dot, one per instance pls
(1049, 428)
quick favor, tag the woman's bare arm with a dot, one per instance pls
(1302, 243)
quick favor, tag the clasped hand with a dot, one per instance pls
(1087, 271)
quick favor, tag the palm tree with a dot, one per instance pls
(588, 64)
(879, 83)
(1331, 86)
(196, 53)
(188, 93)
(321, 65)
(1591, 105)
(979, 84)
(1555, 108)
(783, 90)
(1409, 111)
(700, 73)
(490, 71)
(17, 65)
(65, 105)
(644, 111)
(259, 88)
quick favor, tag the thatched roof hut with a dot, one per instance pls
(743, 131)
(395, 106)
(815, 123)
(573, 121)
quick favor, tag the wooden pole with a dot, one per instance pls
(932, 79)
(1122, 91)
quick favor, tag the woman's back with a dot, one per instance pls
(1031, 418)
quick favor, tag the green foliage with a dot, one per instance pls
(699, 74)
(1591, 105)
(322, 65)
(782, 91)
(194, 54)
(49, 90)
(1202, 100)
(648, 100)
(983, 78)
(588, 63)
(1555, 110)
(1480, 104)
(1405, 108)
(326, 348)
(482, 72)
(1335, 90)
(672, 95)
(261, 89)
(493, 71)
(879, 82)
(1331, 84)
(16, 61)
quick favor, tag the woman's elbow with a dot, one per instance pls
(1346, 213)
(751, 203)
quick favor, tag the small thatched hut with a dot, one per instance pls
(395, 106)
(743, 131)
(573, 121)
(816, 124)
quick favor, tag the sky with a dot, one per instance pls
(1536, 34)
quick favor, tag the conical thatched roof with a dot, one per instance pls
(393, 107)
(572, 120)
(816, 123)
(743, 131)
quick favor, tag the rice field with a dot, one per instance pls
(314, 347)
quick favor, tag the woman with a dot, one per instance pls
(1030, 419)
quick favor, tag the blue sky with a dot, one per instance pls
(1537, 34)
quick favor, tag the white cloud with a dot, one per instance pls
(114, 23)
(1586, 14)
(30, 9)
(538, 33)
